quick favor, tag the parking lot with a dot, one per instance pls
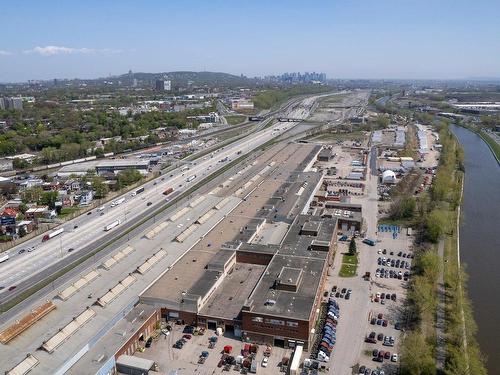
(366, 303)
(185, 360)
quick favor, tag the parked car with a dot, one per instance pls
(265, 361)
(149, 342)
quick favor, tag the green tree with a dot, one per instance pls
(435, 225)
(99, 187)
(352, 247)
(128, 177)
(19, 163)
(31, 195)
(416, 355)
(48, 198)
(23, 208)
(22, 231)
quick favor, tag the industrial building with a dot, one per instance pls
(117, 165)
(259, 273)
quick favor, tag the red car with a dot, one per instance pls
(187, 337)
(387, 355)
(380, 315)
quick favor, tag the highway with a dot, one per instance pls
(83, 231)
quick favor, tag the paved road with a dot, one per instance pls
(86, 232)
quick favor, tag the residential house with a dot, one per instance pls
(39, 212)
(8, 220)
(72, 184)
(86, 197)
(27, 225)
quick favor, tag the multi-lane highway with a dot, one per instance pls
(87, 229)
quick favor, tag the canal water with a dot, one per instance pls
(480, 240)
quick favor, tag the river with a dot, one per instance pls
(480, 241)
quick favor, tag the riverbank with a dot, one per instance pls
(463, 355)
(442, 326)
(477, 246)
(490, 142)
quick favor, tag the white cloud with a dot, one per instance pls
(58, 50)
(5, 53)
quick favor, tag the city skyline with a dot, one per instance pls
(376, 40)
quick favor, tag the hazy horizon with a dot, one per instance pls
(387, 39)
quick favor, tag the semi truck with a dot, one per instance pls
(255, 118)
(294, 366)
(50, 235)
(168, 191)
(4, 258)
(117, 202)
(112, 225)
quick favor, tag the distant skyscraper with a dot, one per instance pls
(162, 85)
(11, 103)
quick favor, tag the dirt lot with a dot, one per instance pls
(185, 360)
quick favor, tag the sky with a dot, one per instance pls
(391, 39)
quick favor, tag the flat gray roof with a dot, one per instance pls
(135, 362)
(123, 163)
(220, 259)
(294, 305)
(293, 256)
(112, 341)
(204, 283)
(227, 300)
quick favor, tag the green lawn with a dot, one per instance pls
(348, 270)
(495, 147)
(67, 210)
(235, 119)
(350, 259)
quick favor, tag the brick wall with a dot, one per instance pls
(145, 331)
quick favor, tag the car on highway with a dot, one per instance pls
(32, 248)
(75, 226)
(11, 288)
(89, 213)
(149, 204)
(21, 251)
(70, 250)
